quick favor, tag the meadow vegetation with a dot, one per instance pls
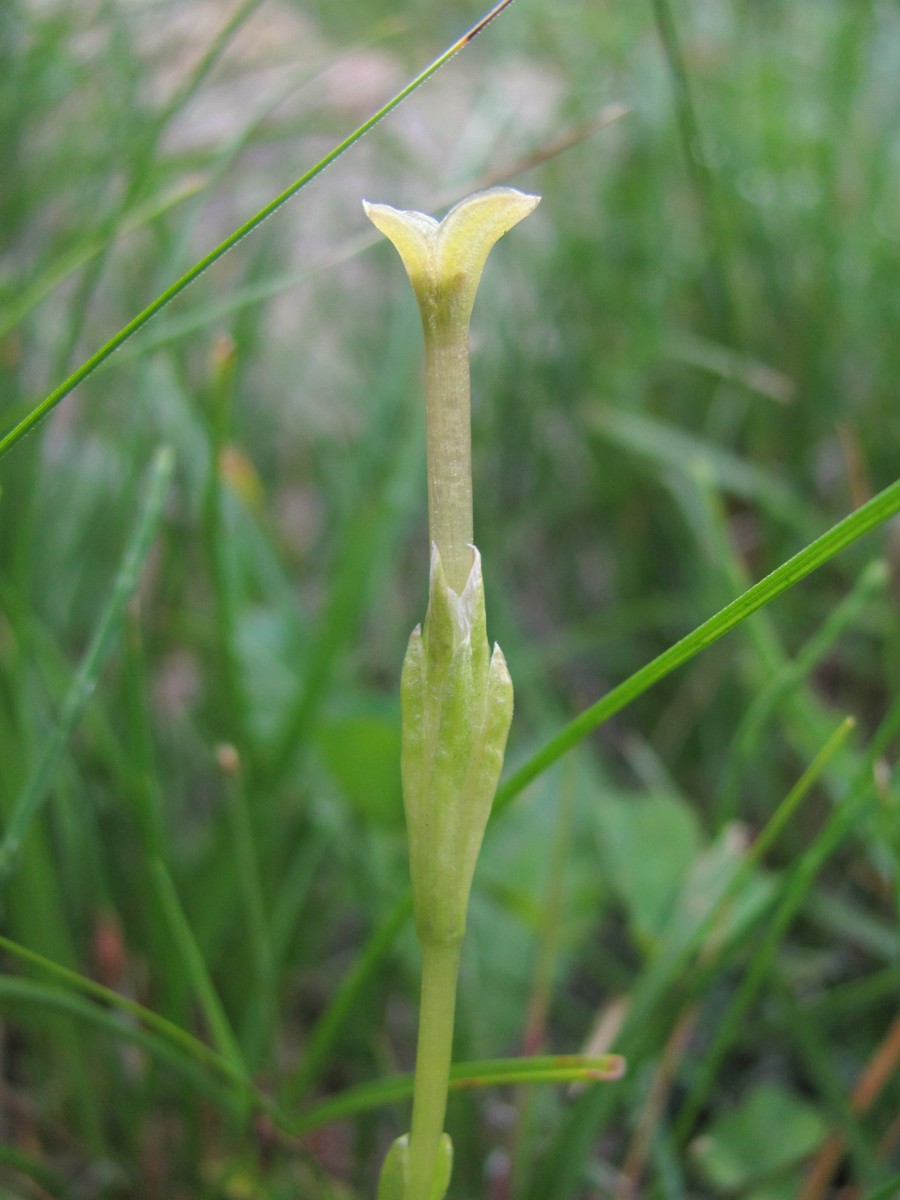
(685, 372)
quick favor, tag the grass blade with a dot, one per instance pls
(887, 1191)
(34, 996)
(185, 1042)
(192, 960)
(79, 694)
(326, 1032)
(64, 267)
(560, 1172)
(748, 736)
(879, 509)
(565, 1068)
(847, 531)
(37, 414)
(664, 444)
(45, 1177)
(839, 825)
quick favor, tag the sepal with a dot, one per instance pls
(457, 705)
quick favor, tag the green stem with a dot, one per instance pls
(440, 968)
(449, 437)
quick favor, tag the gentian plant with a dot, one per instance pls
(456, 694)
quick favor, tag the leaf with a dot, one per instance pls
(362, 751)
(710, 891)
(195, 968)
(650, 845)
(561, 1068)
(769, 1132)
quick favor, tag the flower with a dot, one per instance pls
(456, 696)
(444, 259)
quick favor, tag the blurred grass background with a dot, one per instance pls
(685, 368)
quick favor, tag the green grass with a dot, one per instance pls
(685, 425)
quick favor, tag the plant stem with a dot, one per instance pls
(448, 423)
(440, 968)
